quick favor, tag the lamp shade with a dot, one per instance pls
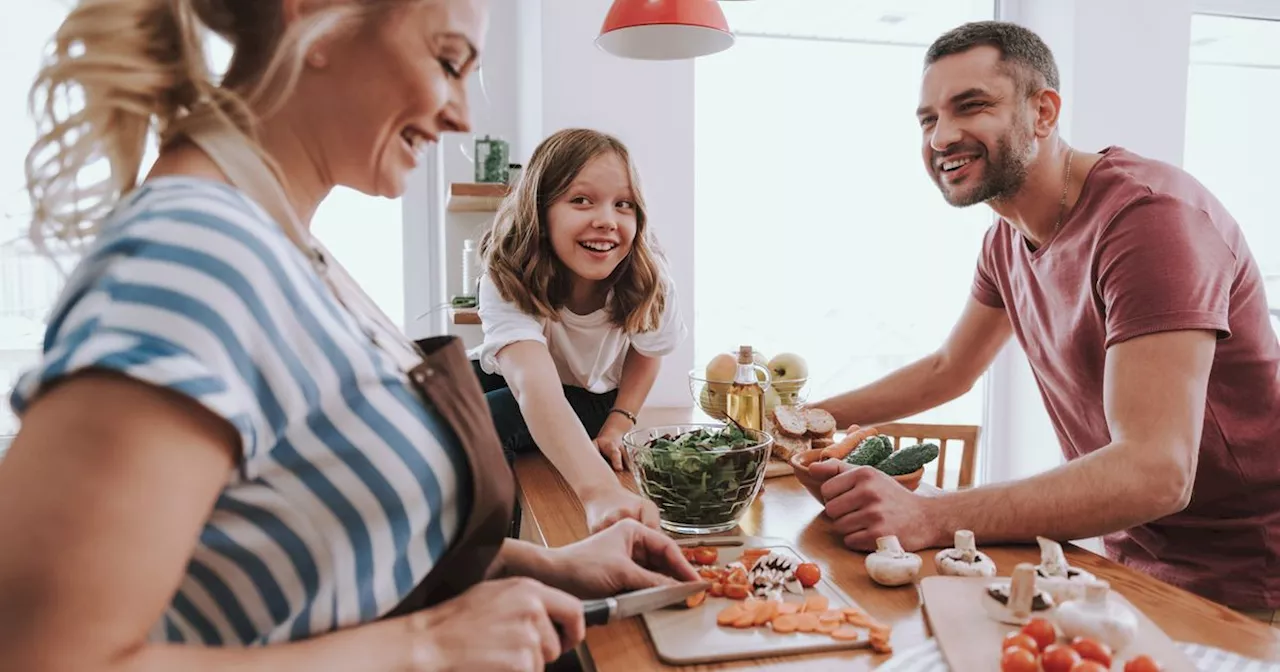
(660, 30)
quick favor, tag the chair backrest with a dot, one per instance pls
(966, 435)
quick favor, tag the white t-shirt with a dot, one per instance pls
(588, 350)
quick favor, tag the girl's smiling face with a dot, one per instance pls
(593, 225)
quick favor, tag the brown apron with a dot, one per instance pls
(437, 367)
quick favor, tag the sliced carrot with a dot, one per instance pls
(789, 608)
(881, 647)
(717, 589)
(828, 627)
(729, 615)
(765, 612)
(879, 630)
(750, 556)
(847, 634)
(736, 591)
(807, 622)
(815, 603)
(746, 617)
(856, 618)
(831, 617)
(786, 623)
(696, 600)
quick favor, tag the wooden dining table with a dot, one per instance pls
(552, 515)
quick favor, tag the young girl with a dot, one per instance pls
(578, 312)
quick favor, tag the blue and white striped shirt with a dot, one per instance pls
(350, 488)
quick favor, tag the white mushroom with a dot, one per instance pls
(1058, 577)
(965, 559)
(773, 573)
(1015, 601)
(1097, 617)
(890, 565)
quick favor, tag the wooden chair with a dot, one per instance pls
(967, 435)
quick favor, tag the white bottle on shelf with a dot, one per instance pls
(469, 278)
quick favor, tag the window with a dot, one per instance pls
(818, 230)
(361, 231)
(1233, 88)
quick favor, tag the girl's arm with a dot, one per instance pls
(533, 379)
(102, 498)
(638, 374)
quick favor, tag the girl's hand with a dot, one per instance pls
(607, 506)
(506, 624)
(609, 444)
(626, 556)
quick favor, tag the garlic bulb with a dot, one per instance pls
(1097, 617)
(890, 565)
(965, 559)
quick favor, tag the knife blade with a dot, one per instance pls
(626, 605)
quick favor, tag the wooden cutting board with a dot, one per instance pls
(686, 636)
(970, 639)
(777, 468)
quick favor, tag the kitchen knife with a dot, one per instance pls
(626, 605)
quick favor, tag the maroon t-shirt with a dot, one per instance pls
(1147, 249)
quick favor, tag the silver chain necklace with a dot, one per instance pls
(1066, 185)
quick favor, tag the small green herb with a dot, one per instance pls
(702, 477)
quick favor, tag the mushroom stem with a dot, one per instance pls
(966, 545)
(890, 545)
(1022, 590)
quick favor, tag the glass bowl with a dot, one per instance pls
(711, 395)
(698, 489)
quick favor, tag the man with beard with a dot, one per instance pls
(1143, 315)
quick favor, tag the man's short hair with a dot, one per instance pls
(1031, 63)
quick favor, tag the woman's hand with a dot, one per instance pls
(607, 505)
(506, 624)
(627, 556)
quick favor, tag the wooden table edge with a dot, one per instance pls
(536, 470)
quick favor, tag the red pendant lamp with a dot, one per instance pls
(663, 30)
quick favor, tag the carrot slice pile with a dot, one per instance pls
(810, 616)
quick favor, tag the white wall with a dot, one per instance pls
(649, 106)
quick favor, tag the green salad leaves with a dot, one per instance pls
(704, 476)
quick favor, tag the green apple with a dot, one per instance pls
(789, 372)
(720, 372)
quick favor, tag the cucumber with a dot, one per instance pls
(909, 459)
(871, 451)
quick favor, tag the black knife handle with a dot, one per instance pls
(597, 612)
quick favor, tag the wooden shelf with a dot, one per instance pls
(465, 315)
(476, 197)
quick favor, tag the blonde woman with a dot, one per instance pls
(578, 313)
(226, 445)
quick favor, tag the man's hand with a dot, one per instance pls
(864, 504)
(608, 505)
(626, 556)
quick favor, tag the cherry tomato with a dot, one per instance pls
(1092, 650)
(1019, 640)
(706, 555)
(1142, 663)
(1089, 666)
(1042, 631)
(1018, 660)
(1059, 658)
(808, 574)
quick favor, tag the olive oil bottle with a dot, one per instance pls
(744, 402)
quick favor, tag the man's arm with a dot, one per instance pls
(933, 380)
(1154, 398)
